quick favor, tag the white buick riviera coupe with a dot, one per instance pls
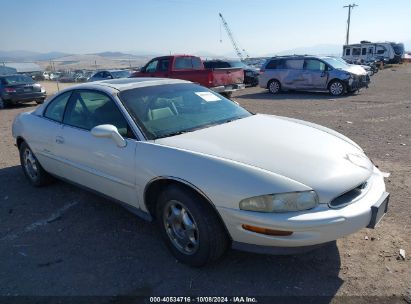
(210, 173)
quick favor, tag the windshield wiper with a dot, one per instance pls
(173, 134)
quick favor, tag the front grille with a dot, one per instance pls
(348, 197)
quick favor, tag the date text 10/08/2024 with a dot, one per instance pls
(203, 300)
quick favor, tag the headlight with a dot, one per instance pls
(283, 202)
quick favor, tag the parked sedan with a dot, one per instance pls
(211, 174)
(109, 74)
(16, 89)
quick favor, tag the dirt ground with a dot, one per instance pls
(60, 240)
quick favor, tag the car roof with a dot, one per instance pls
(127, 83)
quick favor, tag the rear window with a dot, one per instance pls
(216, 64)
(17, 79)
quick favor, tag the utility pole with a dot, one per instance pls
(351, 6)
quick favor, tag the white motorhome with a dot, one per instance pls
(366, 51)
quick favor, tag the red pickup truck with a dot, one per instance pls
(191, 68)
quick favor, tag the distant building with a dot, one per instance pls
(23, 67)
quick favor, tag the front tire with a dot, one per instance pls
(3, 104)
(32, 169)
(337, 88)
(190, 227)
(40, 101)
(274, 87)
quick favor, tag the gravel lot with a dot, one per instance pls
(61, 240)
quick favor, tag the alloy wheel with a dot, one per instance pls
(336, 88)
(30, 164)
(181, 227)
(274, 87)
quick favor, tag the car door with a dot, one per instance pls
(315, 74)
(292, 74)
(46, 129)
(163, 68)
(97, 163)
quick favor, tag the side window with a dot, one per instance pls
(364, 51)
(163, 65)
(183, 63)
(196, 63)
(370, 51)
(272, 65)
(56, 107)
(98, 75)
(347, 52)
(356, 51)
(88, 109)
(314, 65)
(294, 64)
(380, 51)
(152, 66)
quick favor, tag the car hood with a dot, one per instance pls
(318, 157)
(356, 70)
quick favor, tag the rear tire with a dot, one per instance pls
(274, 86)
(337, 88)
(32, 169)
(190, 227)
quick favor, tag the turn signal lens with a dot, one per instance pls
(266, 230)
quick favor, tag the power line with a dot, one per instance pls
(350, 7)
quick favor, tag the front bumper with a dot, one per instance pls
(228, 88)
(24, 97)
(312, 227)
(359, 82)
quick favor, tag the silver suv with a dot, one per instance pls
(311, 73)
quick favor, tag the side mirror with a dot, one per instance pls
(143, 70)
(109, 131)
(109, 77)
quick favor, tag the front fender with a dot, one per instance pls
(224, 182)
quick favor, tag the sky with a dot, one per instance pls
(191, 26)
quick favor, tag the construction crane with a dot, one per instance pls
(242, 54)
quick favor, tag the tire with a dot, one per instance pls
(32, 169)
(227, 94)
(40, 101)
(3, 104)
(274, 86)
(190, 227)
(337, 88)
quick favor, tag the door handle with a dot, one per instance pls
(59, 139)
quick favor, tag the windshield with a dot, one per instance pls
(18, 79)
(336, 63)
(172, 109)
(120, 74)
